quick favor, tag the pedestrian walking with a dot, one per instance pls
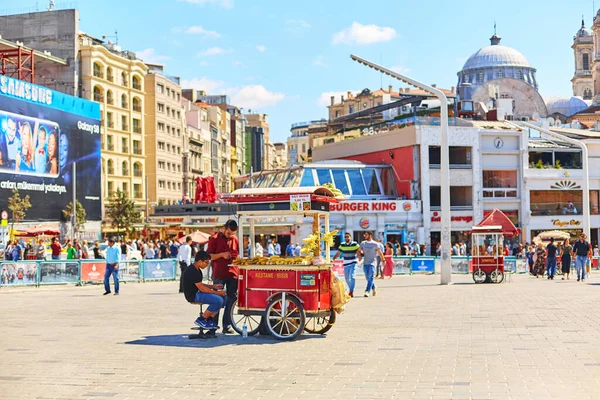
(565, 257)
(539, 259)
(223, 247)
(551, 251)
(40, 251)
(380, 260)
(185, 258)
(70, 251)
(348, 250)
(370, 250)
(388, 269)
(113, 256)
(581, 249)
(56, 248)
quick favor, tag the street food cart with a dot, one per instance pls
(488, 247)
(288, 294)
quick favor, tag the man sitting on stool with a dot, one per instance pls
(197, 292)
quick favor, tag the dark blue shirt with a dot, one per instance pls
(581, 248)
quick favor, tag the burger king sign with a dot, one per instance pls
(365, 223)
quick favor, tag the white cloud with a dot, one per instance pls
(325, 99)
(220, 3)
(298, 23)
(401, 69)
(198, 30)
(208, 85)
(148, 55)
(261, 48)
(364, 34)
(256, 96)
(319, 61)
(213, 51)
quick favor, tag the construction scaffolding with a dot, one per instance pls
(18, 63)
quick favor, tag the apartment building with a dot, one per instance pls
(260, 123)
(116, 79)
(165, 138)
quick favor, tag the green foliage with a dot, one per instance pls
(539, 164)
(80, 211)
(557, 165)
(122, 212)
(18, 207)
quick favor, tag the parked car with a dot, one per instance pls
(133, 255)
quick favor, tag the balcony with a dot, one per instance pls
(98, 97)
(111, 171)
(138, 195)
(137, 86)
(137, 150)
(125, 127)
(137, 108)
(110, 147)
(124, 83)
(110, 124)
(137, 129)
(137, 173)
(110, 77)
(125, 172)
(125, 149)
(124, 105)
(98, 74)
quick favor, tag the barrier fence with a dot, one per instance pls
(62, 272)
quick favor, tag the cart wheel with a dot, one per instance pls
(320, 325)
(285, 319)
(237, 321)
(496, 276)
(479, 276)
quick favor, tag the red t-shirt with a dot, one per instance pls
(56, 249)
(218, 243)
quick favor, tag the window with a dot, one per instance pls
(125, 188)
(137, 128)
(587, 94)
(168, 110)
(459, 156)
(110, 185)
(350, 109)
(356, 181)
(178, 114)
(137, 149)
(110, 166)
(98, 94)
(555, 159)
(293, 178)
(500, 184)
(160, 89)
(109, 97)
(124, 126)
(109, 143)
(168, 94)
(136, 83)
(480, 77)
(123, 101)
(594, 202)
(556, 202)
(586, 62)
(178, 96)
(161, 145)
(339, 179)
(109, 74)
(169, 129)
(461, 197)
(160, 107)
(178, 150)
(179, 132)
(124, 169)
(137, 170)
(520, 74)
(178, 185)
(324, 176)
(500, 73)
(109, 120)
(370, 177)
(161, 165)
(98, 70)
(124, 147)
(169, 147)
(169, 185)
(388, 182)
(124, 79)
(161, 184)
(137, 104)
(137, 191)
(161, 126)
(307, 178)
(169, 166)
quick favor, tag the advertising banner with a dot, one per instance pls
(18, 273)
(93, 270)
(510, 264)
(402, 265)
(159, 269)
(42, 133)
(55, 272)
(460, 265)
(423, 265)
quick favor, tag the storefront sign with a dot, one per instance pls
(373, 206)
(212, 220)
(365, 223)
(173, 220)
(299, 202)
(558, 222)
(271, 220)
(436, 217)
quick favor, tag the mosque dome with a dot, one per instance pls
(583, 32)
(566, 106)
(496, 55)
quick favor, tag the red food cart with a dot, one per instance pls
(287, 298)
(488, 247)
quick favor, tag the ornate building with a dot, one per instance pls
(583, 51)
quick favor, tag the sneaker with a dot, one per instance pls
(374, 292)
(203, 323)
(105, 293)
(578, 279)
(351, 294)
(214, 325)
(366, 294)
(117, 293)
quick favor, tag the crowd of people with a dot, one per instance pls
(546, 259)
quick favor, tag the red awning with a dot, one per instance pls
(39, 231)
(498, 218)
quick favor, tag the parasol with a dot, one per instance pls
(197, 237)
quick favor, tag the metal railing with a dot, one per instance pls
(77, 272)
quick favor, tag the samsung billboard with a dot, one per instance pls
(42, 133)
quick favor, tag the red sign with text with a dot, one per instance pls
(93, 271)
(436, 217)
(370, 206)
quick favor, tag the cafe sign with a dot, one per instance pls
(558, 222)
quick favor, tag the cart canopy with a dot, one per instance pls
(498, 219)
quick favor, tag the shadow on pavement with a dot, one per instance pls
(221, 340)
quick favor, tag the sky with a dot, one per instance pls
(286, 58)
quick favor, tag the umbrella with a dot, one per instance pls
(197, 237)
(546, 236)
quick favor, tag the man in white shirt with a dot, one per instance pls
(185, 258)
(297, 250)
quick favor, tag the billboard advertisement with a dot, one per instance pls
(42, 134)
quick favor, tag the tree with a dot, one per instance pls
(81, 214)
(122, 212)
(18, 207)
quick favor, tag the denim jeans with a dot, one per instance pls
(551, 266)
(110, 270)
(370, 275)
(580, 262)
(231, 286)
(350, 276)
(56, 257)
(214, 302)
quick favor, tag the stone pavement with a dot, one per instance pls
(529, 339)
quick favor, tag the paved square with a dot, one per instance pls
(529, 339)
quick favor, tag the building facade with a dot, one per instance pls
(116, 79)
(583, 52)
(165, 139)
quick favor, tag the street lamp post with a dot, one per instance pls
(446, 265)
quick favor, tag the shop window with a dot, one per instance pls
(594, 202)
(500, 184)
(388, 182)
(324, 176)
(570, 160)
(555, 159)
(370, 176)
(307, 178)
(356, 182)
(461, 197)
(339, 178)
(556, 202)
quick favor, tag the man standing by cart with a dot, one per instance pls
(223, 247)
(581, 248)
(370, 250)
(349, 250)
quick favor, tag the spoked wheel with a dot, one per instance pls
(252, 322)
(496, 276)
(479, 276)
(320, 325)
(285, 317)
